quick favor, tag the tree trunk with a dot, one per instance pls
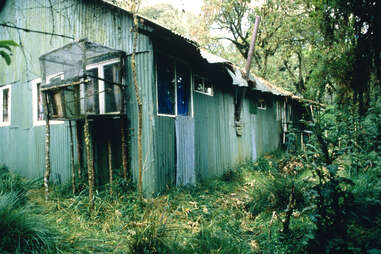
(47, 156)
(123, 121)
(90, 164)
(79, 148)
(109, 151)
(72, 158)
(139, 101)
(289, 210)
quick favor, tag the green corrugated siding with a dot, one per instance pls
(144, 69)
(22, 144)
(165, 151)
(217, 148)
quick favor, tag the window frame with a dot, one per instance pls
(2, 122)
(262, 104)
(35, 83)
(203, 84)
(175, 60)
(101, 84)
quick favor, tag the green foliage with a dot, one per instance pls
(232, 175)
(5, 50)
(150, 235)
(210, 241)
(10, 182)
(20, 230)
(273, 188)
(348, 57)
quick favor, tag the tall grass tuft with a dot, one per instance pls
(10, 182)
(20, 230)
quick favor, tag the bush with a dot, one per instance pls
(232, 175)
(272, 192)
(20, 230)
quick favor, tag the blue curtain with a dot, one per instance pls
(183, 89)
(165, 86)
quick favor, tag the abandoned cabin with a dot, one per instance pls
(79, 56)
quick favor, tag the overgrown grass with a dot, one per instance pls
(21, 230)
(244, 211)
(209, 218)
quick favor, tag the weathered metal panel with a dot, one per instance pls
(165, 151)
(185, 151)
(144, 69)
(22, 144)
(217, 147)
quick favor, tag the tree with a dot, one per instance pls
(283, 38)
(349, 52)
(185, 23)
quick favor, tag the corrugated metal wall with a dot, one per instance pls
(217, 148)
(144, 68)
(22, 144)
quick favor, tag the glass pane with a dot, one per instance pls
(183, 89)
(112, 92)
(208, 87)
(198, 84)
(91, 92)
(5, 105)
(165, 87)
(40, 105)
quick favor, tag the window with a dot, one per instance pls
(5, 105)
(261, 104)
(202, 85)
(38, 106)
(102, 96)
(173, 88)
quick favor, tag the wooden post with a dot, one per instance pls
(109, 151)
(72, 158)
(139, 101)
(123, 120)
(90, 164)
(47, 154)
(79, 148)
(47, 134)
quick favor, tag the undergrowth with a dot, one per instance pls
(21, 229)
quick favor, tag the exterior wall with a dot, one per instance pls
(21, 143)
(217, 148)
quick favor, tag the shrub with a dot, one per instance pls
(272, 192)
(232, 175)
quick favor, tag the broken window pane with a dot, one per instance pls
(5, 100)
(198, 84)
(203, 85)
(112, 92)
(165, 86)
(40, 105)
(208, 87)
(91, 92)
